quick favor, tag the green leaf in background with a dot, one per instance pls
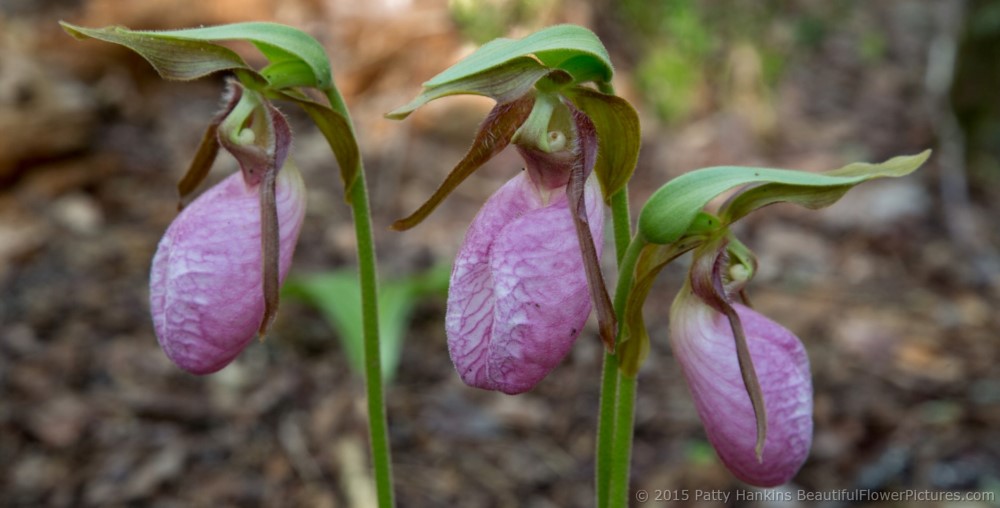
(505, 69)
(189, 53)
(338, 296)
(672, 208)
(618, 135)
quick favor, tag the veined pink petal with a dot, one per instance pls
(703, 344)
(205, 288)
(518, 297)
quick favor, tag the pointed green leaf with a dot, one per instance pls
(670, 210)
(338, 296)
(176, 59)
(618, 136)
(504, 69)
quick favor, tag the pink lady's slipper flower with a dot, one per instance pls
(518, 297)
(529, 268)
(206, 284)
(764, 450)
(216, 273)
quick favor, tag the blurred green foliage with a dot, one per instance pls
(685, 50)
(699, 452)
(337, 295)
(687, 46)
(975, 96)
(484, 20)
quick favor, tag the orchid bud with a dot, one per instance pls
(206, 282)
(518, 297)
(703, 342)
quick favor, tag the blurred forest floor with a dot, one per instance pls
(894, 290)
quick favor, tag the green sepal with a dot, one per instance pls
(505, 69)
(276, 41)
(819, 197)
(554, 46)
(336, 128)
(618, 134)
(287, 74)
(670, 210)
(504, 83)
(190, 54)
(633, 342)
(176, 59)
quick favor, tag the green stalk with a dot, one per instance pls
(377, 427)
(618, 440)
(622, 224)
(622, 452)
(606, 428)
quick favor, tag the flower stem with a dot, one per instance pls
(622, 223)
(622, 445)
(610, 374)
(377, 427)
(606, 428)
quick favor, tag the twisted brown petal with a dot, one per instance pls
(493, 136)
(586, 155)
(208, 149)
(707, 283)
